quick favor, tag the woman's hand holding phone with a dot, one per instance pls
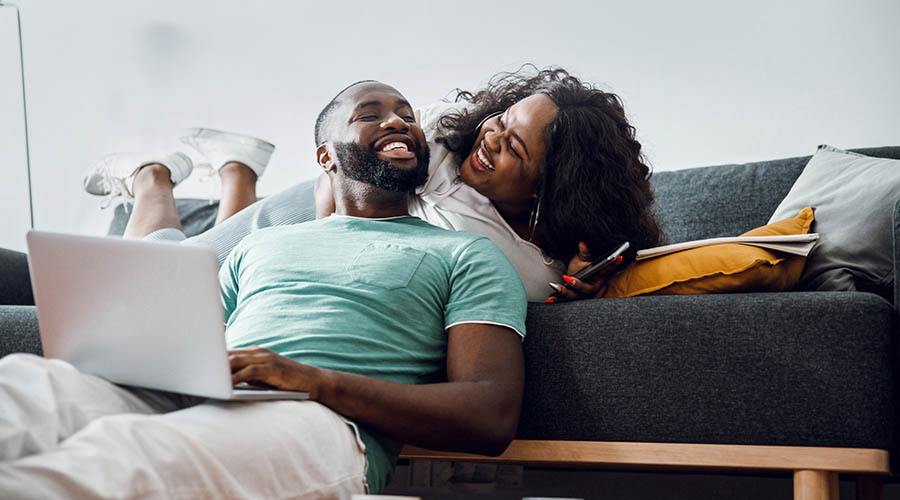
(577, 289)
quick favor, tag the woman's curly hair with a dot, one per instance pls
(594, 186)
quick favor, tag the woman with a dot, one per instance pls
(544, 165)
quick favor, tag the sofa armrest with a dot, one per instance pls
(15, 284)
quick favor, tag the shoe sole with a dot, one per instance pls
(191, 134)
(183, 163)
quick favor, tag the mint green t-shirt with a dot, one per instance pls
(367, 296)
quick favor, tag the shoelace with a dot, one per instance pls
(115, 186)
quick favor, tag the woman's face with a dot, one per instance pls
(504, 164)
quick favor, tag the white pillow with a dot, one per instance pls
(853, 196)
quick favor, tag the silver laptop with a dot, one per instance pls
(136, 313)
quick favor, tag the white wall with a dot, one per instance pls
(705, 82)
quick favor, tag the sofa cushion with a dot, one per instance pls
(728, 267)
(854, 196)
(800, 368)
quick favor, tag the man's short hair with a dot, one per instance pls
(325, 115)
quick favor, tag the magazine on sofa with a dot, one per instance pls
(797, 244)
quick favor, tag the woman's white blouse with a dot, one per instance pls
(445, 201)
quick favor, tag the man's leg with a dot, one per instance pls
(277, 449)
(43, 401)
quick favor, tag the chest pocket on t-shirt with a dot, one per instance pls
(385, 265)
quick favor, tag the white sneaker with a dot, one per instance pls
(114, 175)
(224, 147)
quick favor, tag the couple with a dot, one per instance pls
(539, 162)
(358, 305)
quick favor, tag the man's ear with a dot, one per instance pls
(323, 158)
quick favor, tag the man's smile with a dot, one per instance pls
(396, 146)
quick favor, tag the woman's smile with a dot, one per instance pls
(481, 161)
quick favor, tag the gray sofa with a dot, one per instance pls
(786, 369)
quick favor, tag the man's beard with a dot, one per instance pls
(365, 166)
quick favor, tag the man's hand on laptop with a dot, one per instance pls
(261, 367)
(485, 371)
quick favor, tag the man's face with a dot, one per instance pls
(377, 140)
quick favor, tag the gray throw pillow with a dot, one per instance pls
(853, 196)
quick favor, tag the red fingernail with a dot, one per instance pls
(619, 259)
(551, 300)
(568, 279)
(582, 243)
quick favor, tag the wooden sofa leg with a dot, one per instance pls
(815, 485)
(869, 488)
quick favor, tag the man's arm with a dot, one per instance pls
(476, 410)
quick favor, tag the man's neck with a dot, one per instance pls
(362, 200)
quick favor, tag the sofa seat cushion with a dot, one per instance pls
(806, 368)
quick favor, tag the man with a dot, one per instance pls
(409, 331)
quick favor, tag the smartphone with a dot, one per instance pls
(591, 270)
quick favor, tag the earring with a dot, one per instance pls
(535, 216)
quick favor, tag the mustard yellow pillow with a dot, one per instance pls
(728, 267)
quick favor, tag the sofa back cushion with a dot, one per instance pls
(727, 200)
(722, 200)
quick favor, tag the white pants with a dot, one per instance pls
(65, 434)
